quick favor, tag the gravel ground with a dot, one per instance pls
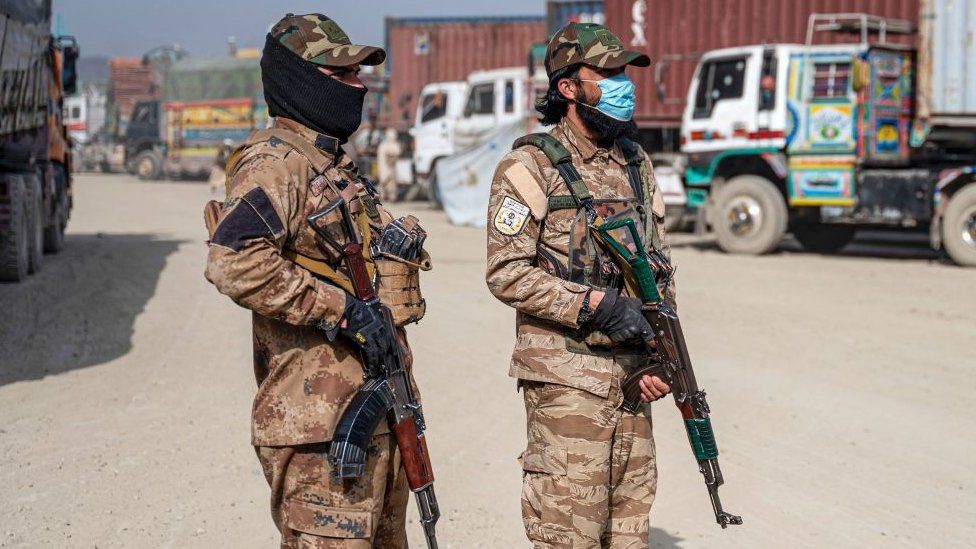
(841, 388)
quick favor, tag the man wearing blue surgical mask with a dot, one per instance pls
(589, 468)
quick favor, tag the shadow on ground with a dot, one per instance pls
(659, 539)
(867, 244)
(80, 309)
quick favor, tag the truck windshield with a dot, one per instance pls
(433, 106)
(481, 100)
(717, 80)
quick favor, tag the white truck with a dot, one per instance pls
(438, 111)
(822, 140)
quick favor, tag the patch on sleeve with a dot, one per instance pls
(252, 218)
(511, 217)
(528, 188)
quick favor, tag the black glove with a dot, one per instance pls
(366, 329)
(620, 318)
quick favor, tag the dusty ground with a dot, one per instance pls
(842, 392)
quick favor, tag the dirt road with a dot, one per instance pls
(842, 391)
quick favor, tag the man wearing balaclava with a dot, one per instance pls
(589, 470)
(310, 332)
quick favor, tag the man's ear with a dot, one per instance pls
(567, 87)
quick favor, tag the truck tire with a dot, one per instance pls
(35, 211)
(749, 216)
(823, 239)
(959, 226)
(148, 166)
(14, 246)
(54, 232)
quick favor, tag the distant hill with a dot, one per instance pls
(93, 68)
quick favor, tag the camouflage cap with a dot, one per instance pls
(320, 40)
(589, 44)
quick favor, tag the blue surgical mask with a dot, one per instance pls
(617, 97)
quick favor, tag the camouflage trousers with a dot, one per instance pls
(590, 473)
(313, 510)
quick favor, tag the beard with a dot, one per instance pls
(607, 128)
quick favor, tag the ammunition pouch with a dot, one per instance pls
(399, 287)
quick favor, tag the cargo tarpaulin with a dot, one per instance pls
(202, 79)
(464, 179)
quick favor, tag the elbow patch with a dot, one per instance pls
(253, 217)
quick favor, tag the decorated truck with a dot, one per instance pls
(207, 104)
(821, 140)
(36, 71)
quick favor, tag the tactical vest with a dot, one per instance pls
(588, 263)
(308, 151)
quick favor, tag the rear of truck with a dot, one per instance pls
(35, 153)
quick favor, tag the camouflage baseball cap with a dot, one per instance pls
(320, 40)
(589, 44)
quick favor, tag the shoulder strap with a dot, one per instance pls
(634, 157)
(563, 162)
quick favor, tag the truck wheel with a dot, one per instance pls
(750, 215)
(823, 239)
(959, 226)
(148, 166)
(433, 189)
(35, 239)
(54, 232)
(14, 245)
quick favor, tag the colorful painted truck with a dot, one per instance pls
(822, 140)
(36, 71)
(208, 103)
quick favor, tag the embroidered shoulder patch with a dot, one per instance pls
(511, 217)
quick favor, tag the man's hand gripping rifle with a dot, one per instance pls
(642, 273)
(387, 391)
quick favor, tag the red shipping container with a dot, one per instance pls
(677, 32)
(425, 50)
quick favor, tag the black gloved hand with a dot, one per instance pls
(366, 329)
(620, 318)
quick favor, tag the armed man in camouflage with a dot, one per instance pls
(589, 468)
(309, 331)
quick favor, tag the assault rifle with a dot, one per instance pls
(386, 392)
(670, 362)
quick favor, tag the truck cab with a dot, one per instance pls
(821, 140)
(437, 114)
(143, 143)
(496, 98)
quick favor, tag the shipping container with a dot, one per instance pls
(129, 82)
(213, 78)
(559, 13)
(675, 33)
(425, 50)
(947, 87)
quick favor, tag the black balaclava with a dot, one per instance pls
(295, 89)
(608, 128)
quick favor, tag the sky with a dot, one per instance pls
(132, 27)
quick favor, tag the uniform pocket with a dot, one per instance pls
(399, 287)
(547, 509)
(330, 522)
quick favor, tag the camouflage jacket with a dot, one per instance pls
(304, 381)
(548, 306)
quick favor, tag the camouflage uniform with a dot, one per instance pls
(259, 237)
(589, 467)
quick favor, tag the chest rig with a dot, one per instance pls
(366, 213)
(587, 262)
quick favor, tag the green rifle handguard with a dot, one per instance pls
(702, 438)
(636, 259)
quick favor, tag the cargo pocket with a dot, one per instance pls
(328, 522)
(399, 287)
(547, 510)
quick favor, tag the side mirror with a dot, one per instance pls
(69, 72)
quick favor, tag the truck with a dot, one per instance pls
(824, 139)
(438, 111)
(37, 70)
(207, 104)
